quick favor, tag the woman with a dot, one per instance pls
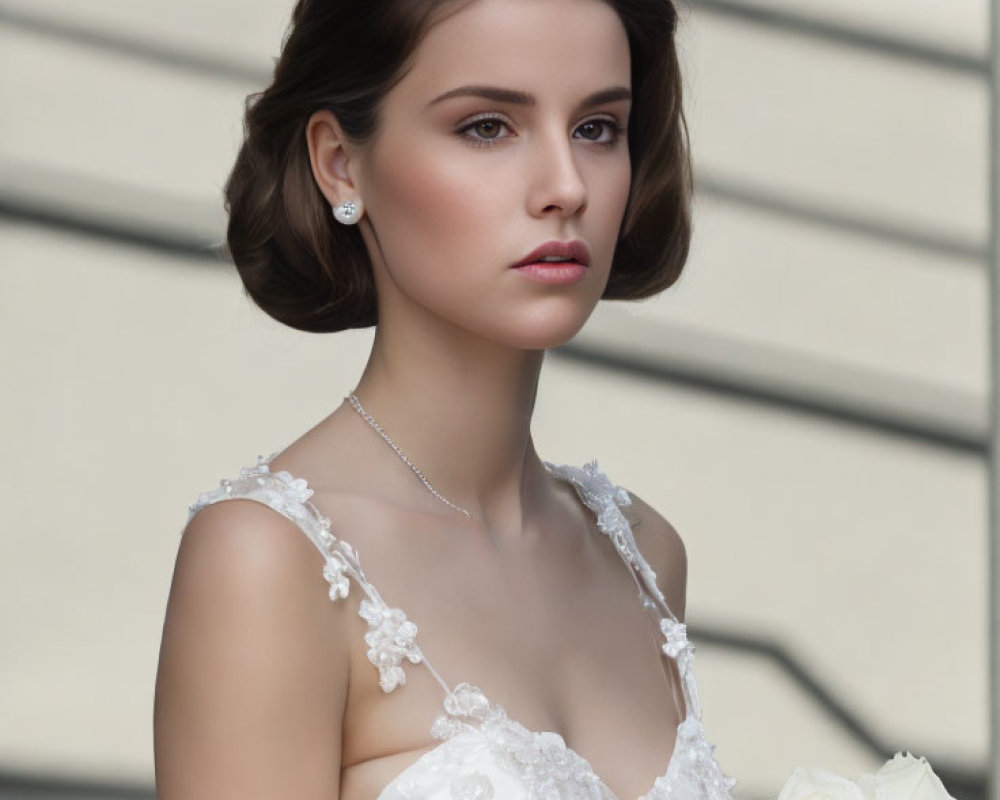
(471, 178)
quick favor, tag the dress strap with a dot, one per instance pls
(606, 500)
(391, 637)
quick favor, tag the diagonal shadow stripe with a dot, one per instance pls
(810, 211)
(797, 23)
(23, 786)
(954, 434)
(963, 783)
(190, 246)
(129, 46)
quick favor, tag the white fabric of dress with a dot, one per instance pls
(484, 753)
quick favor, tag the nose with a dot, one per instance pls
(557, 185)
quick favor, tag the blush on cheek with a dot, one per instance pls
(443, 208)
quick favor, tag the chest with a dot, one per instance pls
(552, 631)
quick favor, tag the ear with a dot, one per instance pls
(334, 162)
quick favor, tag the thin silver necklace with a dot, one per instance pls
(356, 405)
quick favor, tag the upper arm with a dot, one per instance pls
(253, 672)
(663, 548)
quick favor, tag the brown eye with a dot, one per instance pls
(488, 127)
(484, 132)
(614, 130)
(599, 126)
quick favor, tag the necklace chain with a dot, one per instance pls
(356, 405)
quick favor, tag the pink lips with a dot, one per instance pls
(567, 271)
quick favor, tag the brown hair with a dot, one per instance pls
(310, 272)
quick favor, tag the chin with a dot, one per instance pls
(540, 331)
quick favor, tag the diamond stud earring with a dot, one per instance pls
(348, 213)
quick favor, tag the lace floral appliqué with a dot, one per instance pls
(390, 639)
(333, 571)
(678, 646)
(473, 786)
(693, 770)
(606, 500)
(548, 768)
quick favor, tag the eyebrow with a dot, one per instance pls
(516, 97)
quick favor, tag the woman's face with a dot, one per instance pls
(459, 187)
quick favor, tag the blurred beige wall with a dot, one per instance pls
(136, 379)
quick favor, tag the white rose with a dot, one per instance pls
(904, 778)
(812, 783)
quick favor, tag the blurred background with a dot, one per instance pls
(807, 405)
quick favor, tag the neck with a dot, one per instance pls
(460, 408)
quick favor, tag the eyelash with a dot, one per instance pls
(611, 124)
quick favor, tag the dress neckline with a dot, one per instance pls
(604, 499)
(468, 705)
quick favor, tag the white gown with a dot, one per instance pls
(484, 753)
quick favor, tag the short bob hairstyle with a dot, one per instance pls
(308, 271)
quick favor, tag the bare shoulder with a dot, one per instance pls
(663, 548)
(243, 540)
(253, 674)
